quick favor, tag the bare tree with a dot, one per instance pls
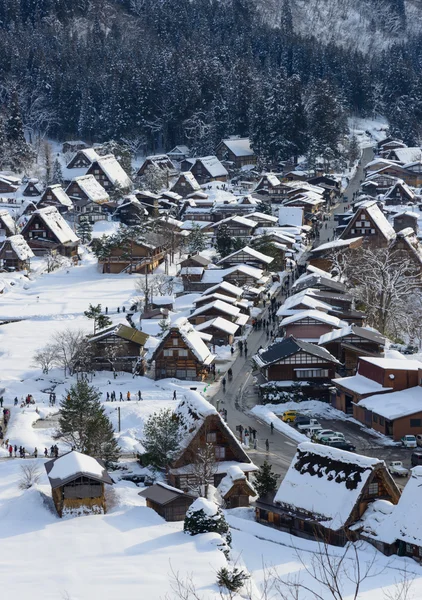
(69, 344)
(53, 260)
(30, 475)
(380, 280)
(45, 358)
(204, 467)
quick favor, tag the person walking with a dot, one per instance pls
(267, 445)
(139, 395)
(174, 395)
(1, 401)
(255, 444)
(224, 384)
(121, 397)
(128, 396)
(36, 453)
(10, 451)
(108, 396)
(15, 450)
(45, 452)
(272, 427)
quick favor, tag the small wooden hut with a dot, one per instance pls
(169, 502)
(77, 483)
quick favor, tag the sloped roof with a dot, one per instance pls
(363, 332)
(113, 170)
(218, 305)
(193, 341)
(219, 323)
(272, 179)
(122, 331)
(335, 244)
(228, 287)
(213, 166)
(239, 146)
(234, 475)
(395, 405)
(19, 247)
(90, 186)
(57, 225)
(408, 155)
(68, 467)
(60, 195)
(325, 483)
(254, 254)
(317, 315)
(288, 347)
(7, 219)
(163, 494)
(360, 384)
(190, 178)
(290, 215)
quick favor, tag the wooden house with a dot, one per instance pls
(167, 501)
(86, 188)
(405, 155)
(135, 257)
(130, 212)
(83, 158)
(15, 254)
(208, 168)
(8, 184)
(262, 219)
(226, 288)
(399, 193)
(119, 348)
(182, 354)
(325, 492)
(73, 146)
(235, 488)
(110, 174)
(201, 424)
(375, 375)
(237, 227)
(323, 255)
(221, 330)
(46, 230)
(349, 343)
(404, 220)
(236, 151)
(195, 260)
(32, 188)
(214, 309)
(77, 484)
(322, 282)
(54, 195)
(248, 256)
(179, 153)
(309, 325)
(162, 161)
(294, 361)
(185, 184)
(268, 184)
(7, 224)
(370, 223)
(407, 244)
(412, 178)
(149, 201)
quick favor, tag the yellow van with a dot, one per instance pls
(289, 416)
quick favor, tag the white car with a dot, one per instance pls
(409, 441)
(324, 433)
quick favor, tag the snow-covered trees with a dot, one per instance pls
(265, 479)
(84, 230)
(223, 240)
(154, 179)
(84, 425)
(100, 320)
(196, 240)
(204, 516)
(57, 173)
(161, 438)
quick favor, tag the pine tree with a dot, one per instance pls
(154, 179)
(57, 173)
(161, 438)
(196, 240)
(84, 425)
(203, 516)
(84, 230)
(100, 320)
(265, 480)
(354, 150)
(223, 240)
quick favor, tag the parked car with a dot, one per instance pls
(324, 433)
(301, 420)
(419, 439)
(416, 459)
(332, 438)
(342, 446)
(312, 430)
(409, 441)
(396, 468)
(289, 416)
(303, 425)
(411, 350)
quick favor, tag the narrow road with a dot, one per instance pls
(240, 395)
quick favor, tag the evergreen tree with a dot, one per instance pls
(84, 230)
(57, 173)
(100, 320)
(84, 425)
(354, 150)
(204, 516)
(265, 480)
(154, 179)
(223, 240)
(196, 240)
(161, 438)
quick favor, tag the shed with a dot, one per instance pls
(169, 502)
(235, 489)
(77, 483)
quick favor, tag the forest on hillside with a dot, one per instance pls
(156, 73)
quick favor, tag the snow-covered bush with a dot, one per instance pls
(204, 516)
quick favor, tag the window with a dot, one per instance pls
(181, 373)
(37, 225)
(375, 418)
(382, 421)
(353, 231)
(415, 422)
(212, 436)
(168, 352)
(312, 373)
(409, 548)
(220, 452)
(175, 341)
(182, 352)
(372, 231)
(373, 489)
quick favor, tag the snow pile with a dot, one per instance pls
(209, 508)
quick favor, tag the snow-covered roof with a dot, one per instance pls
(20, 247)
(239, 146)
(90, 153)
(114, 171)
(228, 287)
(190, 178)
(408, 155)
(218, 305)
(233, 475)
(64, 468)
(379, 219)
(7, 219)
(392, 363)
(272, 179)
(325, 483)
(236, 219)
(365, 332)
(60, 195)
(290, 215)
(191, 412)
(219, 323)
(316, 315)
(213, 166)
(180, 149)
(254, 254)
(215, 296)
(259, 216)
(192, 270)
(304, 185)
(217, 275)
(194, 341)
(305, 298)
(395, 404)
(360, 384)
(90, 186)
(55, 222)
(335, 244)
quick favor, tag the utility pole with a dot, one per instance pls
(118, 417)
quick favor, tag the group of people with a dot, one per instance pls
(52, 399)
(112, 397)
